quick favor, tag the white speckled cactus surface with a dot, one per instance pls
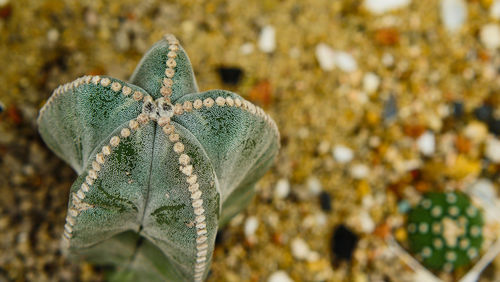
(161, 166)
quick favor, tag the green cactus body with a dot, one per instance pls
(160, 165)
(445, 231)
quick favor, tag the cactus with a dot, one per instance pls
(161, 166)
(445, 231)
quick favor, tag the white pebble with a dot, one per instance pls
(360, 171)
(387, 59)
(490, 36)
(279, 276)
(321, 219)
(483, 189)
(282, 188)
(267, 40)
(427, 143)
(492, 150)
(345, 61)
(300, 249)
(453, 14)
(476, 131)
(246, 48)
(251, 225)
(314, 186)
(495, 10)
(371, 82)
(52, 35)
(342, 154)
(366, 222)
(325, 56)
(382, 6)
(329, 59)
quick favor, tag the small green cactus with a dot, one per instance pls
(445, 231)
(161, 167)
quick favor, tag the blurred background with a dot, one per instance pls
(378, 103)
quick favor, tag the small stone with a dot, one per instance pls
(492, 150)
(52, 35)
(390, 109)
(342, 154)
(490, 36)
(325, 56)
(261, 93)
(484, 113)
(246, 48)
(282, 189)
(427, 143)
(366, 222)
(2, 107)
(404, 206)
(343, 242)
(382, 6)
(371, 82)
(495, 10)
(453, 14)
(476, 131)
(300, 249)
(360, 171)
(388, 36)
(387, 59)
(345, 61)
(314, 185)
(329, 59)
(230, 75)
(279, 276)
(484, 189)
(458, 109)
(494, 126)
(325, 201)
(267, 40)
(251, 225)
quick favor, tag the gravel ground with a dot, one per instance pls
(377, 104)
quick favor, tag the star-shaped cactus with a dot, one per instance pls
(161, 166)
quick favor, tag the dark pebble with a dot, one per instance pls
(343, 243)
(494, 126)
(484, 113)
(5, 11)
(230, 75)
(390, 109)
(2, 107)
(325, 201)
(458, 109)
(222, 236)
